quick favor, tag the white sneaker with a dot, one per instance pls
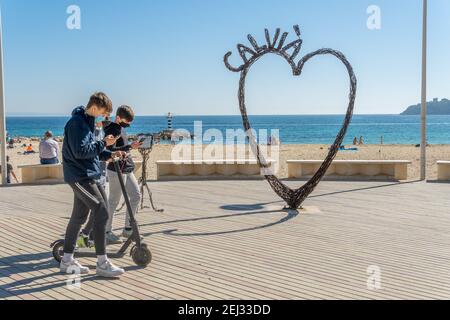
(73, 267)
(108, 270)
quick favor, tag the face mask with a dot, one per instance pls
(106, 123)
(100, 119)
(124, 125)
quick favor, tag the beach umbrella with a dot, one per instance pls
(423, 144)
(2, 111)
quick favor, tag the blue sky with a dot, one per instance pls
(166, 55)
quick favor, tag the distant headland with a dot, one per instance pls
(434, 107)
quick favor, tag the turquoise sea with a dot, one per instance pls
(293, 129)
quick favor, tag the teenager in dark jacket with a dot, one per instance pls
(81, 164)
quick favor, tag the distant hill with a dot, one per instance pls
(434, 107)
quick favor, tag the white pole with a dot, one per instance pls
(2, 111)
(423, 144)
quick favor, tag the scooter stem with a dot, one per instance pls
(127, 201)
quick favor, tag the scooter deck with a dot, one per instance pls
(90, 253)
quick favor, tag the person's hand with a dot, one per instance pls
(119, 154)
(110, 140)
(136, 145)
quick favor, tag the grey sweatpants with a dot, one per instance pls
(115, 195)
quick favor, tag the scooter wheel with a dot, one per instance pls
(141, 255)
(58, 250)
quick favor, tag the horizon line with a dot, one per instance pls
(209, 115)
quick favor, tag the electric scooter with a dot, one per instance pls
(140, 253)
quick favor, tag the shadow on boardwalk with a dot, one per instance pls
(38, 263)
(13, 266)
(289, 214)
(256, 209)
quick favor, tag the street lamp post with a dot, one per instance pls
(2, 113)
(423, 144)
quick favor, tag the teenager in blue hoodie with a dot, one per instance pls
(81, 164)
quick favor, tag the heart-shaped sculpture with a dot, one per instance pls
(294, 198)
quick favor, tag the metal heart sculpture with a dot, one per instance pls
(293, 197)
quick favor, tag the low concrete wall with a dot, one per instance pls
(397, 169)
(209, 169)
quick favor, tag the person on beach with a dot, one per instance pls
(49, 149)
(124, 118)
(81, 155)
(9, 172)
(29, 149)
(11, 143)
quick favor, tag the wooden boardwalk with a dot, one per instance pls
(230, 240)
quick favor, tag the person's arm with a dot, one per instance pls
(56, 145)
(11, 171)
(81, 142)
(123, 144)
(127, 146)
(114, 148)
(106, 155)
(14, 176)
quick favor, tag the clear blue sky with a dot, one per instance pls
(166, 55)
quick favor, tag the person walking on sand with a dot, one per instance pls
(49, 149)
(81, 158)
(11, 143)
(9, 172)
(355, 141)
(361, 140)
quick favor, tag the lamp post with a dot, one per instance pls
(423, 144)
(2, 113)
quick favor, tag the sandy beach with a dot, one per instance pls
(287, 152)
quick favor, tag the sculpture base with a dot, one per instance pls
(303, 210)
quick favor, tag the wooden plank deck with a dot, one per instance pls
(230, 240)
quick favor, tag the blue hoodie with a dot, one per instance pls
(81, 152)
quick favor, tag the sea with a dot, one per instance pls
(291, 129)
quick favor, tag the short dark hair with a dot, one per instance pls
(101, 100)
(125, 112)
